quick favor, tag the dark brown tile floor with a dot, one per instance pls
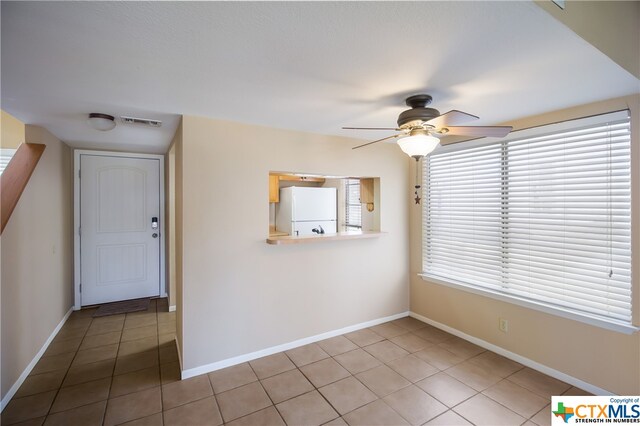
(124, 370)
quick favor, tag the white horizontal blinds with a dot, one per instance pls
(5, 156)
(563, 228)
(353, 214)
(462, 216)
(569, 239)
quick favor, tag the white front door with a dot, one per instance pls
(120, 230)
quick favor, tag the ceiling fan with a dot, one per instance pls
(420, 127)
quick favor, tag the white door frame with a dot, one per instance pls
(77, 298)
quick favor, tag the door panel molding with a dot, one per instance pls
(76, 216)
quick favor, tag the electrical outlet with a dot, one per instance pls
(503, 325)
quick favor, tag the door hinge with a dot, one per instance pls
(78, 173)
(80, 288)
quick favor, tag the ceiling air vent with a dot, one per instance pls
(145, 121)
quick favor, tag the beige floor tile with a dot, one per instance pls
(53, 363)
(202, 413)
(415, 405)
(100, 353)
(386, 351)
(126, 364)
(357, 361)
(232, 377)
(170, 372)
(574, 391)
(82, 394)
(309, 409)
(409, 323)
(412, 368)
(271, 365)
(129, 334)
(166, 338)
(83, 313)
(184, 391)
(70, 333)
(306, 354)
(119, 318)
(75, 323)
(266, 417)
(138, 346)
(364, 337)
(104, 327)
(337, 345)
(496, 364)
(88, 372)
(166, 328)
(29, 407)
(323, 372)
(382, 380)
(388, 330)
(97, 340)
(543, 417)
(239, 402)
(140, 320)
(481, 410)
(346, 395)
(38, 421)
(135, 381)
(152, 420)
(516, 398)
(376, 413)
(473, 375)
(446, 389)
(461, 347)
(166, 317)
(450, 418)
(336, 422)
(86, 415)
(286, 385)
(439, 357)
(168, 353)
(539, 383)
(38, 383)
(58, 347)
(410, 342)
(133, 406)
(433, 334)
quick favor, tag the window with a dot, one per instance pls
(6, 155)
(353, 208)
(542, 218)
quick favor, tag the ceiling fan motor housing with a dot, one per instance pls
(417, 114)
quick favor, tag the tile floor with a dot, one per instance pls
(124, 370)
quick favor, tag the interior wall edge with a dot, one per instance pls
(229, 362)
(14, 388)
(515, 357)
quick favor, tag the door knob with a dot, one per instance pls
(154, 235)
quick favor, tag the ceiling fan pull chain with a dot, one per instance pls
(417, 185)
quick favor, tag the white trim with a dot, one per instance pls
(536, 306)
(77, 300)
(207, 368)
(515, 357)
(172, 308)
(175, 339)
(13, 389)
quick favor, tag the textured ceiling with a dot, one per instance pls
(310, 66)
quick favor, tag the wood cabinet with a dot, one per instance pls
(274, 189)
(366, 190)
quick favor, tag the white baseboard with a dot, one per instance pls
(34, 361)
(284, 347)
(515, 357)
(172, 308)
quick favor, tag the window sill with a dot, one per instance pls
(347, 235)
(552, 310)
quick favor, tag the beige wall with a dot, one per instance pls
(37, 258)
(594, 21)
(607, 359)
(241, 295)
(11, 131)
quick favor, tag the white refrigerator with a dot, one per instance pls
(307, 211)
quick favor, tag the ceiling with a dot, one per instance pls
(309, 66)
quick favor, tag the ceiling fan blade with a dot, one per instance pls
(379, 140)
(451, 118)
(483, 131)
(370, 128)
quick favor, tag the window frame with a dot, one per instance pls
(348, 202)
(570, 124)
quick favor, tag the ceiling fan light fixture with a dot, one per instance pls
(102, 122)
(418, 144)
